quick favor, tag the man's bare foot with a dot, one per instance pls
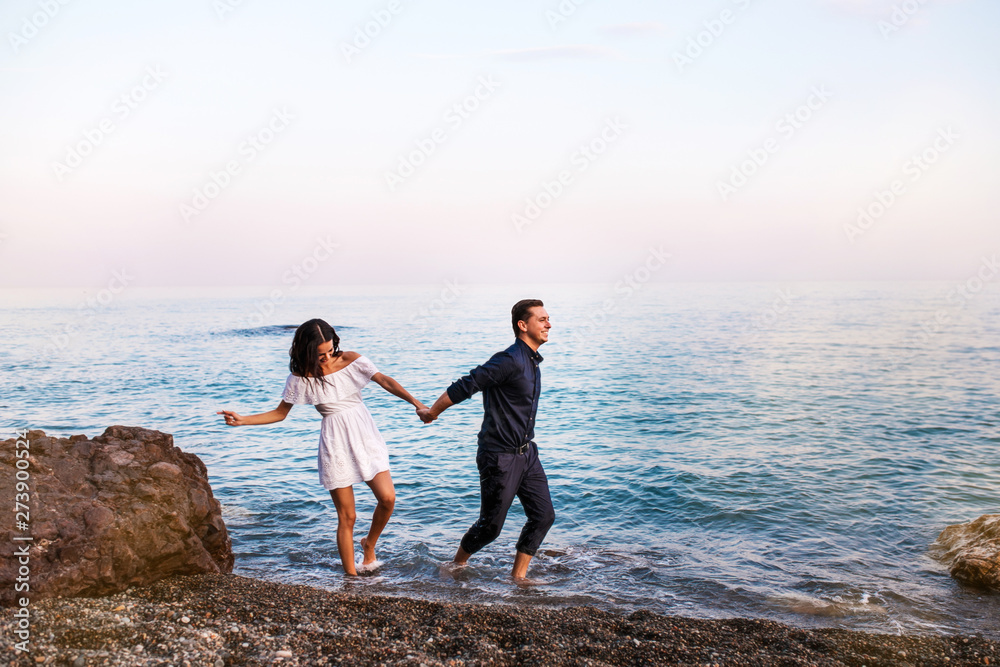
(369, 553)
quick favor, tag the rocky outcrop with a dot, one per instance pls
(971, 551)
(126, 508)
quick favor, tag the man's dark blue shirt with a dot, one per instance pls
(511, 382)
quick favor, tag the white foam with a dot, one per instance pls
(233, 511)
(835, 607)
(370, 567)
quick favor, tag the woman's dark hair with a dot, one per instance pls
(304, 357)
(522, 311)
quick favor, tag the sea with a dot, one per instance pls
(782, 451)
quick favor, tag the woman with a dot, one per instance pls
(351, 449)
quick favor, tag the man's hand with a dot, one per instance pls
(440, 405)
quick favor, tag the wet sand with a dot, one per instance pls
(219, 620)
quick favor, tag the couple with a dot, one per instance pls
(352, 450)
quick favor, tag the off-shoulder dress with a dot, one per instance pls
(351, 449)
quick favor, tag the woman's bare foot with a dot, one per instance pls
(369, 553)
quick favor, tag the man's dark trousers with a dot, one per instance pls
(503, 475)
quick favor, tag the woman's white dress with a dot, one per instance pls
(351, 449)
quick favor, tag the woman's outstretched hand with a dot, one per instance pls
(232, 418)
(425, 415)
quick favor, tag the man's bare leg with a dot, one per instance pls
(521, 562)
(450, 570)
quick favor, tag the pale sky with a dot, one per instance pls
(741, 137)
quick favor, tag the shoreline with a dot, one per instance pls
(226, 619)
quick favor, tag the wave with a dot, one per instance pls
(835, 607)
(270, 330)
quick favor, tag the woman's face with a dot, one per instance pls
(325, 351)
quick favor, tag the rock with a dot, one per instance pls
(126, 508)
(971, 551)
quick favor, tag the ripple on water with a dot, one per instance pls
(695, 469)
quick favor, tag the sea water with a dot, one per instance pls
(784, 451)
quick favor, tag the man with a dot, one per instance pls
(507, 457)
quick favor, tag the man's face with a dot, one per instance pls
(536, 326)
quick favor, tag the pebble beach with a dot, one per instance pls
(220, 620)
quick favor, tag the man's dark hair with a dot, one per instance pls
(521, 311)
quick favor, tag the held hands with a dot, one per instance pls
(232, 419)
(425, 414)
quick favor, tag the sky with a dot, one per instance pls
(237, 142)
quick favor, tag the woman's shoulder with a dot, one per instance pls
(294, 380)
(360, 364)
(350, 355)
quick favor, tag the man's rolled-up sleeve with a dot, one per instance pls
(490, 374)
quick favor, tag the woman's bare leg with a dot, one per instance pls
(343, 500)
(385, 494)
